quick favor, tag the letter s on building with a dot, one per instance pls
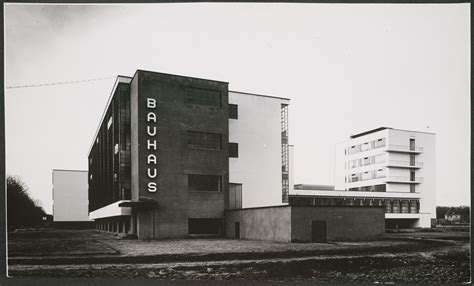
(152, 187)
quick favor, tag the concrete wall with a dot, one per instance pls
(292, 223)
(175, 159)
(273, 223)
(70, 191)
(258, 133)
(343, 223)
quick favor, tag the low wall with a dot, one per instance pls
(266, 223)
(294, 223)
(73, 224)
(343, 223)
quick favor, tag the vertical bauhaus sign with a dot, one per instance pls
(144, 105)
(151, 144)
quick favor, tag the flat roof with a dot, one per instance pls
(65, 170)
(299, 206)
(170, 74)
(369, 132)
(384, 128)
(263, 95)
(125, 79)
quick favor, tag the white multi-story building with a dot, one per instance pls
(262, 166)
(384, 167)
(70, 202)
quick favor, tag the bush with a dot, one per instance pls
(22, 211)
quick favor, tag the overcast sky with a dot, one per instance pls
(346, 69)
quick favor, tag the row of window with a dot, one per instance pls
(285, 182)
(210, 141)
(374, 188)
(368, 175)
(365, 146)
(391, 205)
(201, 96)
(377, 159)
(209, 97)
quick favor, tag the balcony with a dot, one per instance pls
(403, 180)
(371, 176)
(404, 149)
(404, 164)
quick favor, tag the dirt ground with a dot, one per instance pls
(428, 257)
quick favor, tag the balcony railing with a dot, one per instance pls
(404, 163)
(403, 179)
(404, 148)
(366, 177)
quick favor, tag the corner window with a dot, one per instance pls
(201, 96)
(234, 150)
(233, 111)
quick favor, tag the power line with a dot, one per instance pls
(58, 83)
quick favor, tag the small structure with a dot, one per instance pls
(70, 199)
(306, 223)
(452, 216)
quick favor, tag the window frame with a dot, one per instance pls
(231, 110)
(233, 147)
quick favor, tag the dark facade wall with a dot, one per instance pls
(272, 223)
(175, 159)
(343, 223)
(134, 136)
(205, 205)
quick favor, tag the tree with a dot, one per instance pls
(22, 211)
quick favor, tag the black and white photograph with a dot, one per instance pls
(239, 142)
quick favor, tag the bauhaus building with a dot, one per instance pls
(177, 156)
(386, 167)
(173, 152)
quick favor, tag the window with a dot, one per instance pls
(204, 183)
(204, 226)
(235, 196)
(380, 143)
(233, 111)
(366, 176)
(202, 140)
(234, 150)
(109, 123)
(380, 173)
(412, 144)
(365, 146)
(380, 188)
(201, 96)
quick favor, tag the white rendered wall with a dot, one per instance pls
(427, 188)
(427, 173)
(258, 133)
(70, 195)
(341, 159)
